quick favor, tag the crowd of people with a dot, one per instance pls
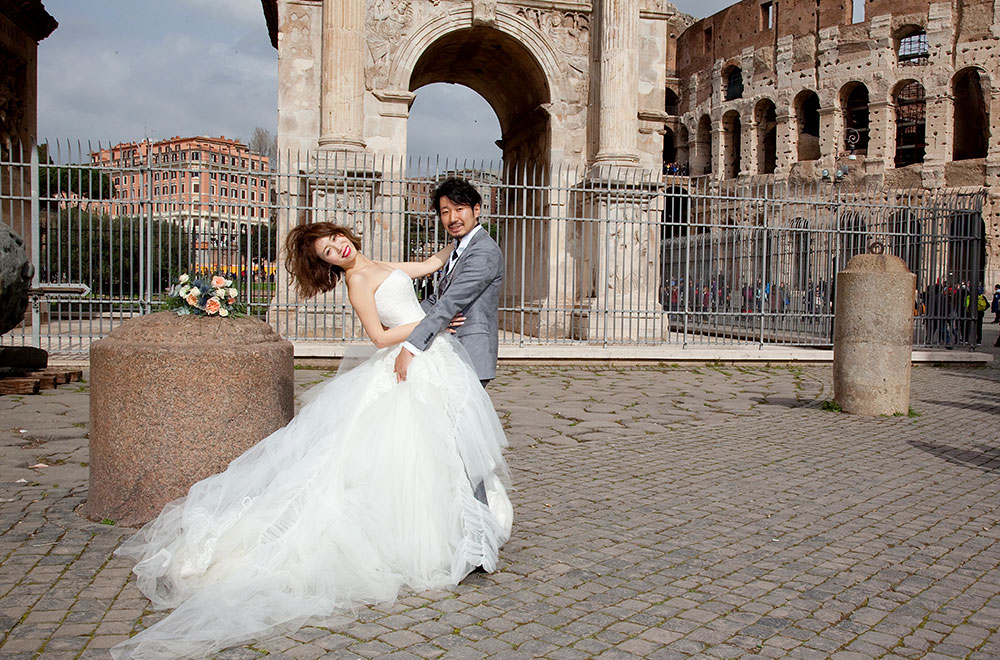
(750, 297)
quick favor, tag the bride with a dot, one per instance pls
(368, 490)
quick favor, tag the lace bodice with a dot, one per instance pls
(396, 302)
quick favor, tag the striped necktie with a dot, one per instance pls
(452, 259)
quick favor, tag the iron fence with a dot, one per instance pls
(639, 259)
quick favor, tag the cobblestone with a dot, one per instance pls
(661, 512)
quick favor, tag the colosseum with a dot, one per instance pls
(797, 91)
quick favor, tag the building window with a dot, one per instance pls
(732, 144)
(913, 49)
(911, 110)
(767, 137)
(173, 189)
(707, 43)
(856, 117)
(972, 118)
(807, 118)
(195, 186)
(734, 83)
(195, 155)
(766, 15)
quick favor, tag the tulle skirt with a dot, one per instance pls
(370, 489)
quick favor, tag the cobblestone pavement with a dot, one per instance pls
(661, 512)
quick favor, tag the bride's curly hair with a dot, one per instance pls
(312, 274)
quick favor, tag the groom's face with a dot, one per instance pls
(458, 219)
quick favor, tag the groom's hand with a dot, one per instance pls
(402, 364)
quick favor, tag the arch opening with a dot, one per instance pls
(854, 99)
(972, 119)
(492, 63)
(767, 137)
(732, 130)
(911, 117)
(807, 119)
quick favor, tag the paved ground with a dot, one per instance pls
(669, 512)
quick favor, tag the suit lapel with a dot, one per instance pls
(447, 279)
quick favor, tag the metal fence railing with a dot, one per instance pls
(644, 259)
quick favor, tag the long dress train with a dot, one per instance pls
(368, 489)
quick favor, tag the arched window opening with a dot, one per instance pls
(856, 118)
(911, 113)
(911, 46)
(733, 132)
(683, 150)
(669, 153)
(972, 118)
(672, 102)
(807, 119)
(703, 146)
(734, 83)
(767, 137)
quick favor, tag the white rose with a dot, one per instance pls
(194, 291)
(221, 293)
(183, 278)
(232, 293)
(229, 282)
(183, 291)
(223, 312)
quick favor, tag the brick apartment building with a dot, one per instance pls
(212, 187)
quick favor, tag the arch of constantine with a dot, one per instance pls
(604, 95)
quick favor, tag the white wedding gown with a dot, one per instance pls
(369, 489)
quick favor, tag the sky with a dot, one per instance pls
(122, 70)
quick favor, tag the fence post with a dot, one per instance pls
(146, 263)
(36, 244)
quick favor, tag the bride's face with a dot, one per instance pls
(335, 250)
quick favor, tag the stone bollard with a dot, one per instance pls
(873, 336)
(174, 399)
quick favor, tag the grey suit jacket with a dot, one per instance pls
(473, 288)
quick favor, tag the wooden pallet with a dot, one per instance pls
(36, 381)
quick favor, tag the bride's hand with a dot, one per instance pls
(456, 322)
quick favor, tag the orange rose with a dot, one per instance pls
(218, 282)
(231, 301)
(192, 299)
(213, 306)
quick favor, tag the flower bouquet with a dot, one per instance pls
(213, 296)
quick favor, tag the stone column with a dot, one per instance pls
(619, 82)
(343, 83)
(873, 336)
(787, 148)
(881, 135)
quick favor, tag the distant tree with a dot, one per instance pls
(105, 252)
(57, 183)
(264, 142)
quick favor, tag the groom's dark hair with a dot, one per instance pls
(459, 191)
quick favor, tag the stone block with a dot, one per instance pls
(174, 399)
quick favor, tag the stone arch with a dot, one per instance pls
(702, 161)
(910, 100)
(806, 107)
(854, 99)
(910, 44)
(671, 102)
(970, 89)
(449, 48)
(732, 82)
(766, 118)
(732, 142)
(683, 149)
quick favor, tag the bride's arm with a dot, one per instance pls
(433, 263)
(362, 297)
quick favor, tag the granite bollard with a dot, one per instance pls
(873, 336)
(174, 399)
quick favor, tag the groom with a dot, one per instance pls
(470, 286)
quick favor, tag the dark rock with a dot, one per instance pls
(15, 279)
